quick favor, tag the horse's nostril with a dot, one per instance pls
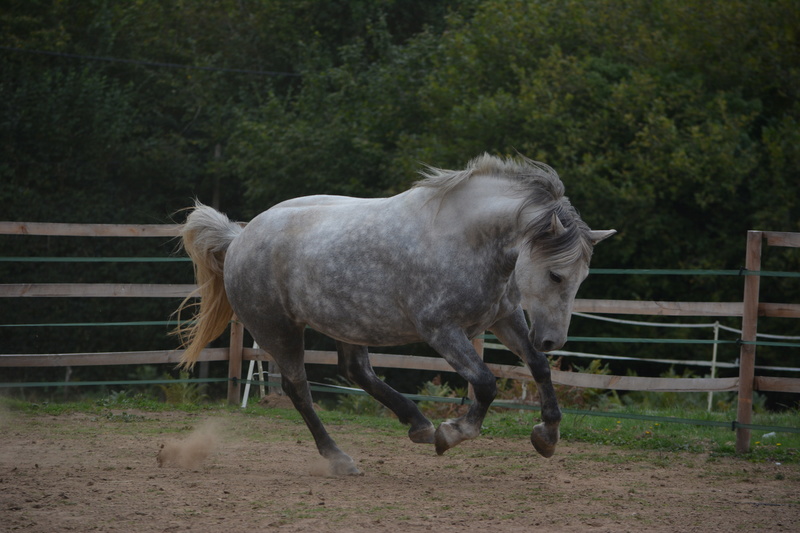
(547, 346)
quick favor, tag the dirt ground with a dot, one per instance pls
(236, 473)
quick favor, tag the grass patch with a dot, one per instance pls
(658, 432)
(99, 406)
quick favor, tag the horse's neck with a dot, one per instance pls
(485, 209)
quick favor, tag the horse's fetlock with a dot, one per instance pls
(424, 434)
(486, 390)
(552, 420)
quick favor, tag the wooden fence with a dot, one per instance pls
(749, 309)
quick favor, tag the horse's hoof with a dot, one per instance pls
(447, 436)
(424, 435)
(544, 439)
(344, 467)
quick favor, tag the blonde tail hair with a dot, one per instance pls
(205, 236)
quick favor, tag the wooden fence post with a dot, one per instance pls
(235, 362)
(747, 353)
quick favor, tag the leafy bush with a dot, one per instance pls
(182, 393)
(723, 401)
(433, 409)
(357, 404)
(586, 398)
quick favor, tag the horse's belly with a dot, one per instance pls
(369, 337)
(364, 321)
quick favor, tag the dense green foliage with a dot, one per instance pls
(677, 122)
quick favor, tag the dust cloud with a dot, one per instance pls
(193, 450)
(319, 467)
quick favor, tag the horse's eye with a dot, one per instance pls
(555, 278)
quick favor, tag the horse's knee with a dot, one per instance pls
(540, 368)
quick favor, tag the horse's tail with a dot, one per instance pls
(205, 236)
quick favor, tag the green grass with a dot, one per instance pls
(664, 434)
(99, 406)
(615, 428)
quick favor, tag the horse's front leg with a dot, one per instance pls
(455, 347)
(512, 331)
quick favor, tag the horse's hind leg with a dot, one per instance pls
(289, 354)
(354, 365)
(300, 394)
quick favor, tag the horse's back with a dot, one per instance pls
(314, 223)
(320, 200)
(324, 259)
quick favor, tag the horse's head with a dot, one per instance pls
(549, 274)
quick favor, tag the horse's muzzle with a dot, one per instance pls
(542, 343)
(547, 346)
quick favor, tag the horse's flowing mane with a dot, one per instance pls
(540, 187)
(527, 172)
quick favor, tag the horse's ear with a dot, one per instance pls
(556, 226)
(598, 235)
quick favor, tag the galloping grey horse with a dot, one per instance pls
(459, 253)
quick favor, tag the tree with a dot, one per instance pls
(674, 122)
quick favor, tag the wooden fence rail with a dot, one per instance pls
(749, 309)
(609, 307)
